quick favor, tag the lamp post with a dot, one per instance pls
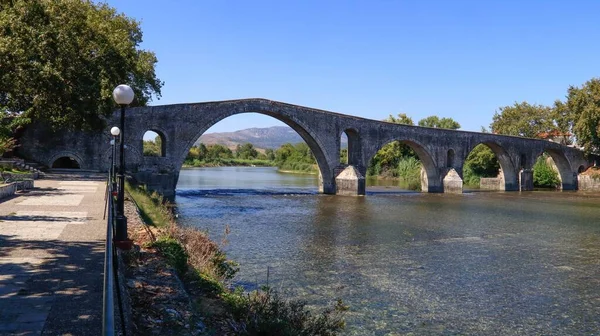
(115, 131)
(123, 95)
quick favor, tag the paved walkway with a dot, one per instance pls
(51, 257)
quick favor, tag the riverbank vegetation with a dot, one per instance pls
(206, 272)
(288, 157)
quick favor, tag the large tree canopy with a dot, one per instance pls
(60, 61)
(583, 113)
(437, 122)
(524, 119)
(401, 119)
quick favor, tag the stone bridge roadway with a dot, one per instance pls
(442, 152)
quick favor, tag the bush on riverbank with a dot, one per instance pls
(206, 270)
(544, 175)
(409, 170)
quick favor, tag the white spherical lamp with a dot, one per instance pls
(115, 131)
(123, 94)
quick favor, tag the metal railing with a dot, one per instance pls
(111, 274)
(108, 309)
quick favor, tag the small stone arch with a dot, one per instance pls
(450, 158)
(162, 145)
(66, 160)
(581, 169)
(354, 147)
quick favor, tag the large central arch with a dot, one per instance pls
(313, 143)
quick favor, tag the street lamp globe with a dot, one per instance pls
(115, 131)
(123, 94)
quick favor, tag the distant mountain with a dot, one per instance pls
(262, 138)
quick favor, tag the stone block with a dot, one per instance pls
(453, 183)
(350, 182)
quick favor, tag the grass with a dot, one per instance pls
(151, 207)
(14, 171)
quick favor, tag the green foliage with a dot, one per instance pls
(544, 175)
(296, 157)
(224, 268)
(246, 151)
(150, 206)
(344, 156)
(401, 119)
(7, 144)
(583, 112)
(435, 121)
(481, 162)
(264, 312)
(153, 147)
(209, 154)
(174, 252)
(386, 160)
(60, 61)
(269, 154)
(409, 170)
(523, 119)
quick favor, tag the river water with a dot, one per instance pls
(479, 263)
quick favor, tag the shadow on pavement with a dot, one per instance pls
(67, 288)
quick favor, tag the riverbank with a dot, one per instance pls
(251, 163)
(179, 282)
(228, 163)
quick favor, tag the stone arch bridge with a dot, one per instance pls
(442, 152)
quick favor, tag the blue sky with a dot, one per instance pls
(458, 59)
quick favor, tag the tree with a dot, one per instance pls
(7, 142)
(583, 112)
(270, 154)
(60, 61)
(218, 151)
(152, 147)
(524, 119)
(246, 151)
(435, 121)
(402, 119)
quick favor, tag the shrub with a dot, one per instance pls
(409, 170)
(173, 252)
(544, 175)
(264, 312)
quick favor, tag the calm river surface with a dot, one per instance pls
(480, 263)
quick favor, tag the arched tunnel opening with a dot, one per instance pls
(66, 162)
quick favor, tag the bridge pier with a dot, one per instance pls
(350, 182)
(574, 185)
(452, 182)
(526, 180)
(326, 187)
